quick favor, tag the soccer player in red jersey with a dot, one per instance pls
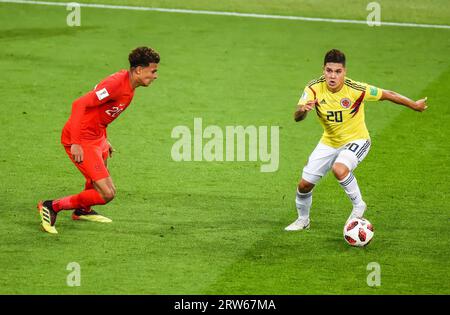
(85, 141)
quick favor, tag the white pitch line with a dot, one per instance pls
(251, 15)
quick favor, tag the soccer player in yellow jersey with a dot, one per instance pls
(339, 105)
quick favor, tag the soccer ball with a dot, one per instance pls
(358, 232)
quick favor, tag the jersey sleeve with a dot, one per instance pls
(108, 89)
(372, 93)
(307, 95)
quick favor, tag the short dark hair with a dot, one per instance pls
(335, 56)
(143, 56)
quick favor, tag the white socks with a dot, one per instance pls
(350, 185)
(303, 203)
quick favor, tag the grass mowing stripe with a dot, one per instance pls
(222, 13)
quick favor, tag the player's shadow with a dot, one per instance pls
(339, 245)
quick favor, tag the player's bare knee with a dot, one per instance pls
(305, 187)
(340, 171)
(108, 194)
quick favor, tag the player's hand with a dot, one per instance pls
(77, 153)
(421, 105)
(309, 105)
(110, 149)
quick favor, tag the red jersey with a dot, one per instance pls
(94, 111)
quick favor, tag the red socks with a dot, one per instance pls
(83, 200)
(88, 185)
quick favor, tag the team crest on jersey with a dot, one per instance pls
(346, 103)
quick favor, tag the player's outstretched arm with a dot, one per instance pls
(302, 110)
(394, 97)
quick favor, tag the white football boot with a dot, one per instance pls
(358, 211)
(299, 224)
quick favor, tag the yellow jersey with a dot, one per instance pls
(341, 113)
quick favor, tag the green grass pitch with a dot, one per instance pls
(217, 227)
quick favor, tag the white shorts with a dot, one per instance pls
(323, 157)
